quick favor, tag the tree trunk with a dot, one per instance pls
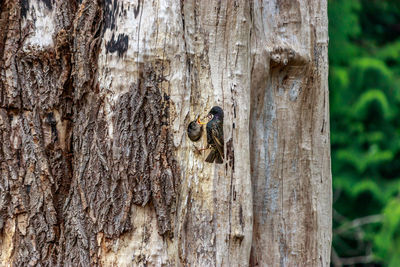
(96, 167)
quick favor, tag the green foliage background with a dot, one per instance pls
(364, 55)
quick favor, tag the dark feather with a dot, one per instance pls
(210, 158)
(215, 136)
(218, 138)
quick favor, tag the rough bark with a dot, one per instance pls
(96, 167)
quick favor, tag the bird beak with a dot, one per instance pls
(199, 121)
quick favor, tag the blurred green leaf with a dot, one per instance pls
(364, 81)
(387, 241)
(370, 73)
(367, 99)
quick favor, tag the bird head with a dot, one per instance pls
(199, 121)
(216, 112)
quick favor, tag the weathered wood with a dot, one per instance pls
(290, 134)
(96, 167)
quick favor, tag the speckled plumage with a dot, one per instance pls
(215, 135)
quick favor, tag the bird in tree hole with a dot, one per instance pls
(195, 129)
(215, 135)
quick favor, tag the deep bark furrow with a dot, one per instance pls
(62, 181)
(34, 106)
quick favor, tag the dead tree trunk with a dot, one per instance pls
(96, 167)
